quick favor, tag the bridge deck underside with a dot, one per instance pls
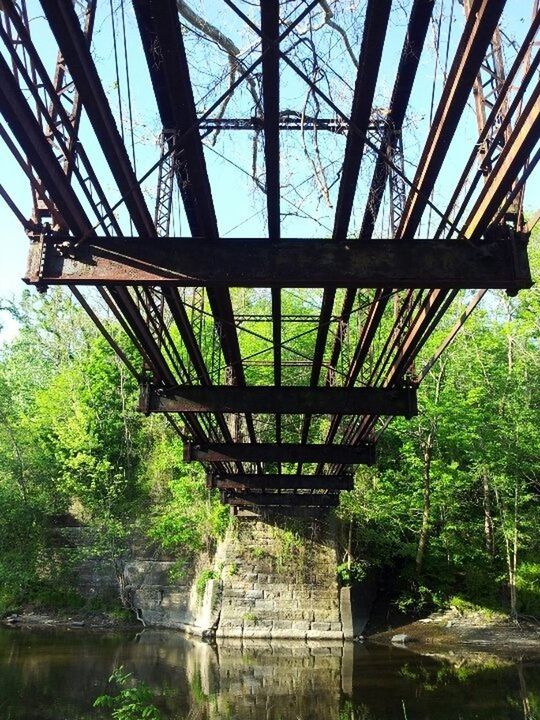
(279, 403)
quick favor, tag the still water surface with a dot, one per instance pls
(55, 675)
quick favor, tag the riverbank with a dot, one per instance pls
(453, 629)
(448, 631)
(64, 619)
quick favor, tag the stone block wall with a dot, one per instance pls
(274, 576)
(279, 579)
(161, 601)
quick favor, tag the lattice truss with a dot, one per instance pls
(277, 203)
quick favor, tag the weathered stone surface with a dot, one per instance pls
(288, 589)
(254, 594)
(303, 625)
(325, 615)
(288, 634)
(265, 605)
(269, 586)
(282, 625)
(256, 632)
(231, 632)
(321, 626)
(401, 638)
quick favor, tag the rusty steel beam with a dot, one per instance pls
(241, 262)
(289, 120)
(29, 134)
(449, 339)
(286, 452)
(327, 307)
(76, 54)
(62, 81)
(471, 50)
(417, 28)
(58, 126)
(498, 185)
(73, 45)
(161, 35)
(519, 145)
(289, 400)
(282, 482)
(497, 126)
(68, 33)
(374, 34)
(279, 500)
(468, 58)
(270, 87)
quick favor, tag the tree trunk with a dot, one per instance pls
(424, 529)
(513, 587)
(488, 517)
(511, 550)
(349, 544)
(427, 451)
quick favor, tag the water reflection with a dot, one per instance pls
(54, 675)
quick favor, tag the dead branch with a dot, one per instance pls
(329, 20)
(222, 41)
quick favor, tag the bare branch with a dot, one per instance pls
(329, 20)
(224, 42)
(207, 28)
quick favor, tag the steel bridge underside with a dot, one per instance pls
(165, 291)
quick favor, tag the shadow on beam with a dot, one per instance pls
(255, 262)
(290, 400)
(293, 453)
(245, 483)
(281, 500)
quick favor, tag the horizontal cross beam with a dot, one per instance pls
(275, 500)
(256, 262)
(283, 482)
(269, 399)
(290, 120)
(267, 452)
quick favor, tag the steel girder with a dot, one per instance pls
(281, 482)
(290, 400)
(500, 262)
(284, 453)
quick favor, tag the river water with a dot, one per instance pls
(55, 675)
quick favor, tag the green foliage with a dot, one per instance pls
(417, 599)
(528, 586)
(465, 607)
(22, 547)
(463, 476)
(70, 441)
(290, 547)
(188, 518)
(259, 552)
(202, 581)
(178, 570)
(349, 573)
(134, 700)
